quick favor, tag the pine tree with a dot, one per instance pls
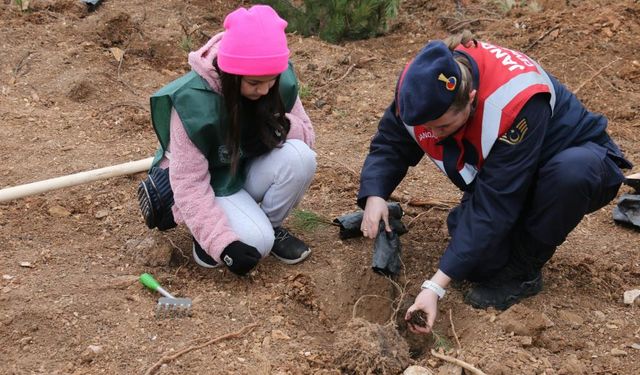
(336, 20)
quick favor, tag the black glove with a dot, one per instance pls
(386, 252)
(350, 223)
(240, 258)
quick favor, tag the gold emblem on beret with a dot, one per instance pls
(449, 83)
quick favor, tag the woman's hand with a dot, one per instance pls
(426, 301)
(375, 210)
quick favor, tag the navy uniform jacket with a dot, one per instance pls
(496, 198)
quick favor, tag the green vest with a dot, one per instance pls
(205, 119)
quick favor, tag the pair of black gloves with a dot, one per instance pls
(240, 258)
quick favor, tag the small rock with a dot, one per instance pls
(524, 321)
(571, 318)
(152, 251)
(101, 214)
(573, 366)
(91, 353)
(635, 346)
(277, 334)
(599, 315)
(26, 264)
(630, 296)
(7, 277)
(59, 211)
(526, 341)
(417, 370)
(618, 352)
(25, 340)
(266, 342)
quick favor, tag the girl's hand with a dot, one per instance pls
(427, 302)
(375, 210)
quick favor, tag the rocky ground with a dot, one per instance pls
(70, 302)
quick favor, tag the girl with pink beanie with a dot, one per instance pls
(236, 147)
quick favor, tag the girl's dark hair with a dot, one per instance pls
(268, 121)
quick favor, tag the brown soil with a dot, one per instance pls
(70, 302)
(418, 318)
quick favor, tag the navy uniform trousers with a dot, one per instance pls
(576, 181)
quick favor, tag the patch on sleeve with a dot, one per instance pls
(516, 134)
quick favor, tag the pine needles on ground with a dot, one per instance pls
(307, 220)
(441, 342)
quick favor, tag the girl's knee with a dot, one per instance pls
(300, 158)
(260, 237)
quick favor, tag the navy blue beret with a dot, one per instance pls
(428, 85)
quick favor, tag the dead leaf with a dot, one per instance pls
(117, 53)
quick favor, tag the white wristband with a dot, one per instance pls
(437, 289)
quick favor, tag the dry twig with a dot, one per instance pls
(540, 38)
(453, 328)
(341, 77)
(458, 362)
(169, 358)
(410, 224)
(459, 25)
(17, 70)
(127, 104)
(575, 92)
(340, 163)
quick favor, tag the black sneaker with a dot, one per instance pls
(288, 248)
(202, 258)
(503, 291)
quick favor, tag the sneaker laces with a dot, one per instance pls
(281, 234)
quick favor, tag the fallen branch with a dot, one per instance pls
(458, 362)
(169, 358)
(446, 204)
(541, 37)
(453, 328)
(575, 92)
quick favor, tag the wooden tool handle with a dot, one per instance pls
(123, 169)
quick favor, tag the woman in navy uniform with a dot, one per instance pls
(531, 160)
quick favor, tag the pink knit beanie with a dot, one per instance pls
(254, 42)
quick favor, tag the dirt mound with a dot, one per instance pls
(369, 348)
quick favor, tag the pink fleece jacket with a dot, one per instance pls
(195, 203)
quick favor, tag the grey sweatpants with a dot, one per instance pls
(274, 185)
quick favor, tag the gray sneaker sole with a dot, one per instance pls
(199, 261)
(293, 261)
